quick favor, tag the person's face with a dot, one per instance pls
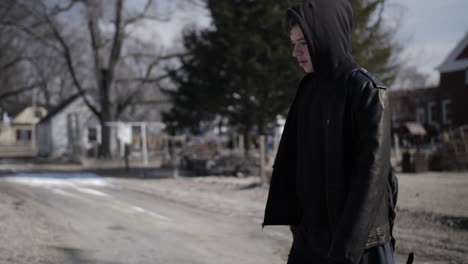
(300, 49)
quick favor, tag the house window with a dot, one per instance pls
(38, 114)
(430, 116)
(446, 112)
(92, 134)
(23, 135)
(421, 115)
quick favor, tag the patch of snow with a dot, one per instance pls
(64, 193)
(93, 192)
(54, 179)
(153, 214)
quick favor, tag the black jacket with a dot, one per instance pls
(356, 129)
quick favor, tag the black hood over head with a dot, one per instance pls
(327, 26)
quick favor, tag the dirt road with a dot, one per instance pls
(85, 218)
(80, 218)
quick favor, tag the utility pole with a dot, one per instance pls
(144, 145)
(34, 121)
(262, 160)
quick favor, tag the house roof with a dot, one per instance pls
(14, 108)
(457, 59)
(60, 107)
(29, 115)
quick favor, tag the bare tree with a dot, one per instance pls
(410, 77)
(92, 41)
(27, 66)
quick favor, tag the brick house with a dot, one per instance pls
(453, 87)
(415, 107)
(440, 108)
(436, 119)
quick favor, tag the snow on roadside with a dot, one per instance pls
(153, 214)
(63, 183)
(59, 182)
(93, 192)
(56, 179)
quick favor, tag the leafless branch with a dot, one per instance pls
(159, 58)
(56, 10)
(143, 80)
(122, 105)
(141, 15)
(126, 102)
(145, 15)
(31, 33)
(43, 78)
(13, 62)
(8, 8)
(59, 9)
(18, 91)
(71, 69)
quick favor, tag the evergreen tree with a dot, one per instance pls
(241, 69)
(372, 40)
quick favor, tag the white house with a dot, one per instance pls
(68, 131)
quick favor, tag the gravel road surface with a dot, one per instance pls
(80, 218)
(77, 217)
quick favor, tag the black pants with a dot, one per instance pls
(308, 249)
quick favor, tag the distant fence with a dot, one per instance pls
(18, 150)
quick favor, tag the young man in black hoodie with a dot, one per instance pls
(332, 180)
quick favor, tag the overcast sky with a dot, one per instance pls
(429, 29)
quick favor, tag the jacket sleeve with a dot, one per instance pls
(369, 181)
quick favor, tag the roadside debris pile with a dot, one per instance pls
(205, 159)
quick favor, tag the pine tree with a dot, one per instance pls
(239, 70)
(372, 40)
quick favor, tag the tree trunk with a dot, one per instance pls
(261, 124)
(245, 133)
(105, 113)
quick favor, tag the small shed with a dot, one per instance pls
(68, 131)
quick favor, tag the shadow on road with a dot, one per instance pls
(78, 256)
